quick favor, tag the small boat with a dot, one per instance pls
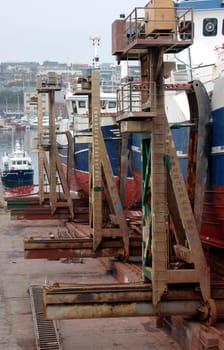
(4, 126)
(17, 169)
(45, 122)
(20, 125)
(34, 123)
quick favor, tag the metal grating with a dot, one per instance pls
(47, 333)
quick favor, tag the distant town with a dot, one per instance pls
(18, 81)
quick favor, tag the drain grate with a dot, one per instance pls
(47, 333)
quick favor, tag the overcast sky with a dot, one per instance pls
(59, 30)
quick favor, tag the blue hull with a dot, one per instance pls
(180, 137)
(112, 142)
(217, 156)
(17, 178)
(80, 174)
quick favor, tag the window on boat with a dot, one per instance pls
(223, 27)
(82, 104)
(14, 162)
(181, 67)
(19, 162)
(24, 162)
(112, 104)
(210, 26)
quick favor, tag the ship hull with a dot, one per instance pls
(133, 182)
(17, 178)
(80, 174)
(213, 215)
(180, 138)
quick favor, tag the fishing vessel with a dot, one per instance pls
(198, 62)
(17, 169)
(78, 125)
(195, 62)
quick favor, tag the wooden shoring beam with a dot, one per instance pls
(44, 170)
(166, 205)
(53, 151)
(70, 159)
(53, 167)
(123, 170)
(189, 247)
(102, 180)
(41, 153)
(96, 190)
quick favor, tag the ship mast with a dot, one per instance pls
(96, 43)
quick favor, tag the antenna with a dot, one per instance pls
(96, 43)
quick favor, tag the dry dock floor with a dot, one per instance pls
(17, 274)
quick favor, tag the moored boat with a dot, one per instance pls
(4, 126)
(34, 123)
(17, 169)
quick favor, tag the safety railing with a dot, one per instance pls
(136, 97)
(144, 22)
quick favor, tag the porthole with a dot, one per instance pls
(210, 26)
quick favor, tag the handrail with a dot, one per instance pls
(134, 97)
(142, 19)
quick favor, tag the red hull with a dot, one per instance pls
(212, 230)
(20, 191)
(80, 182)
